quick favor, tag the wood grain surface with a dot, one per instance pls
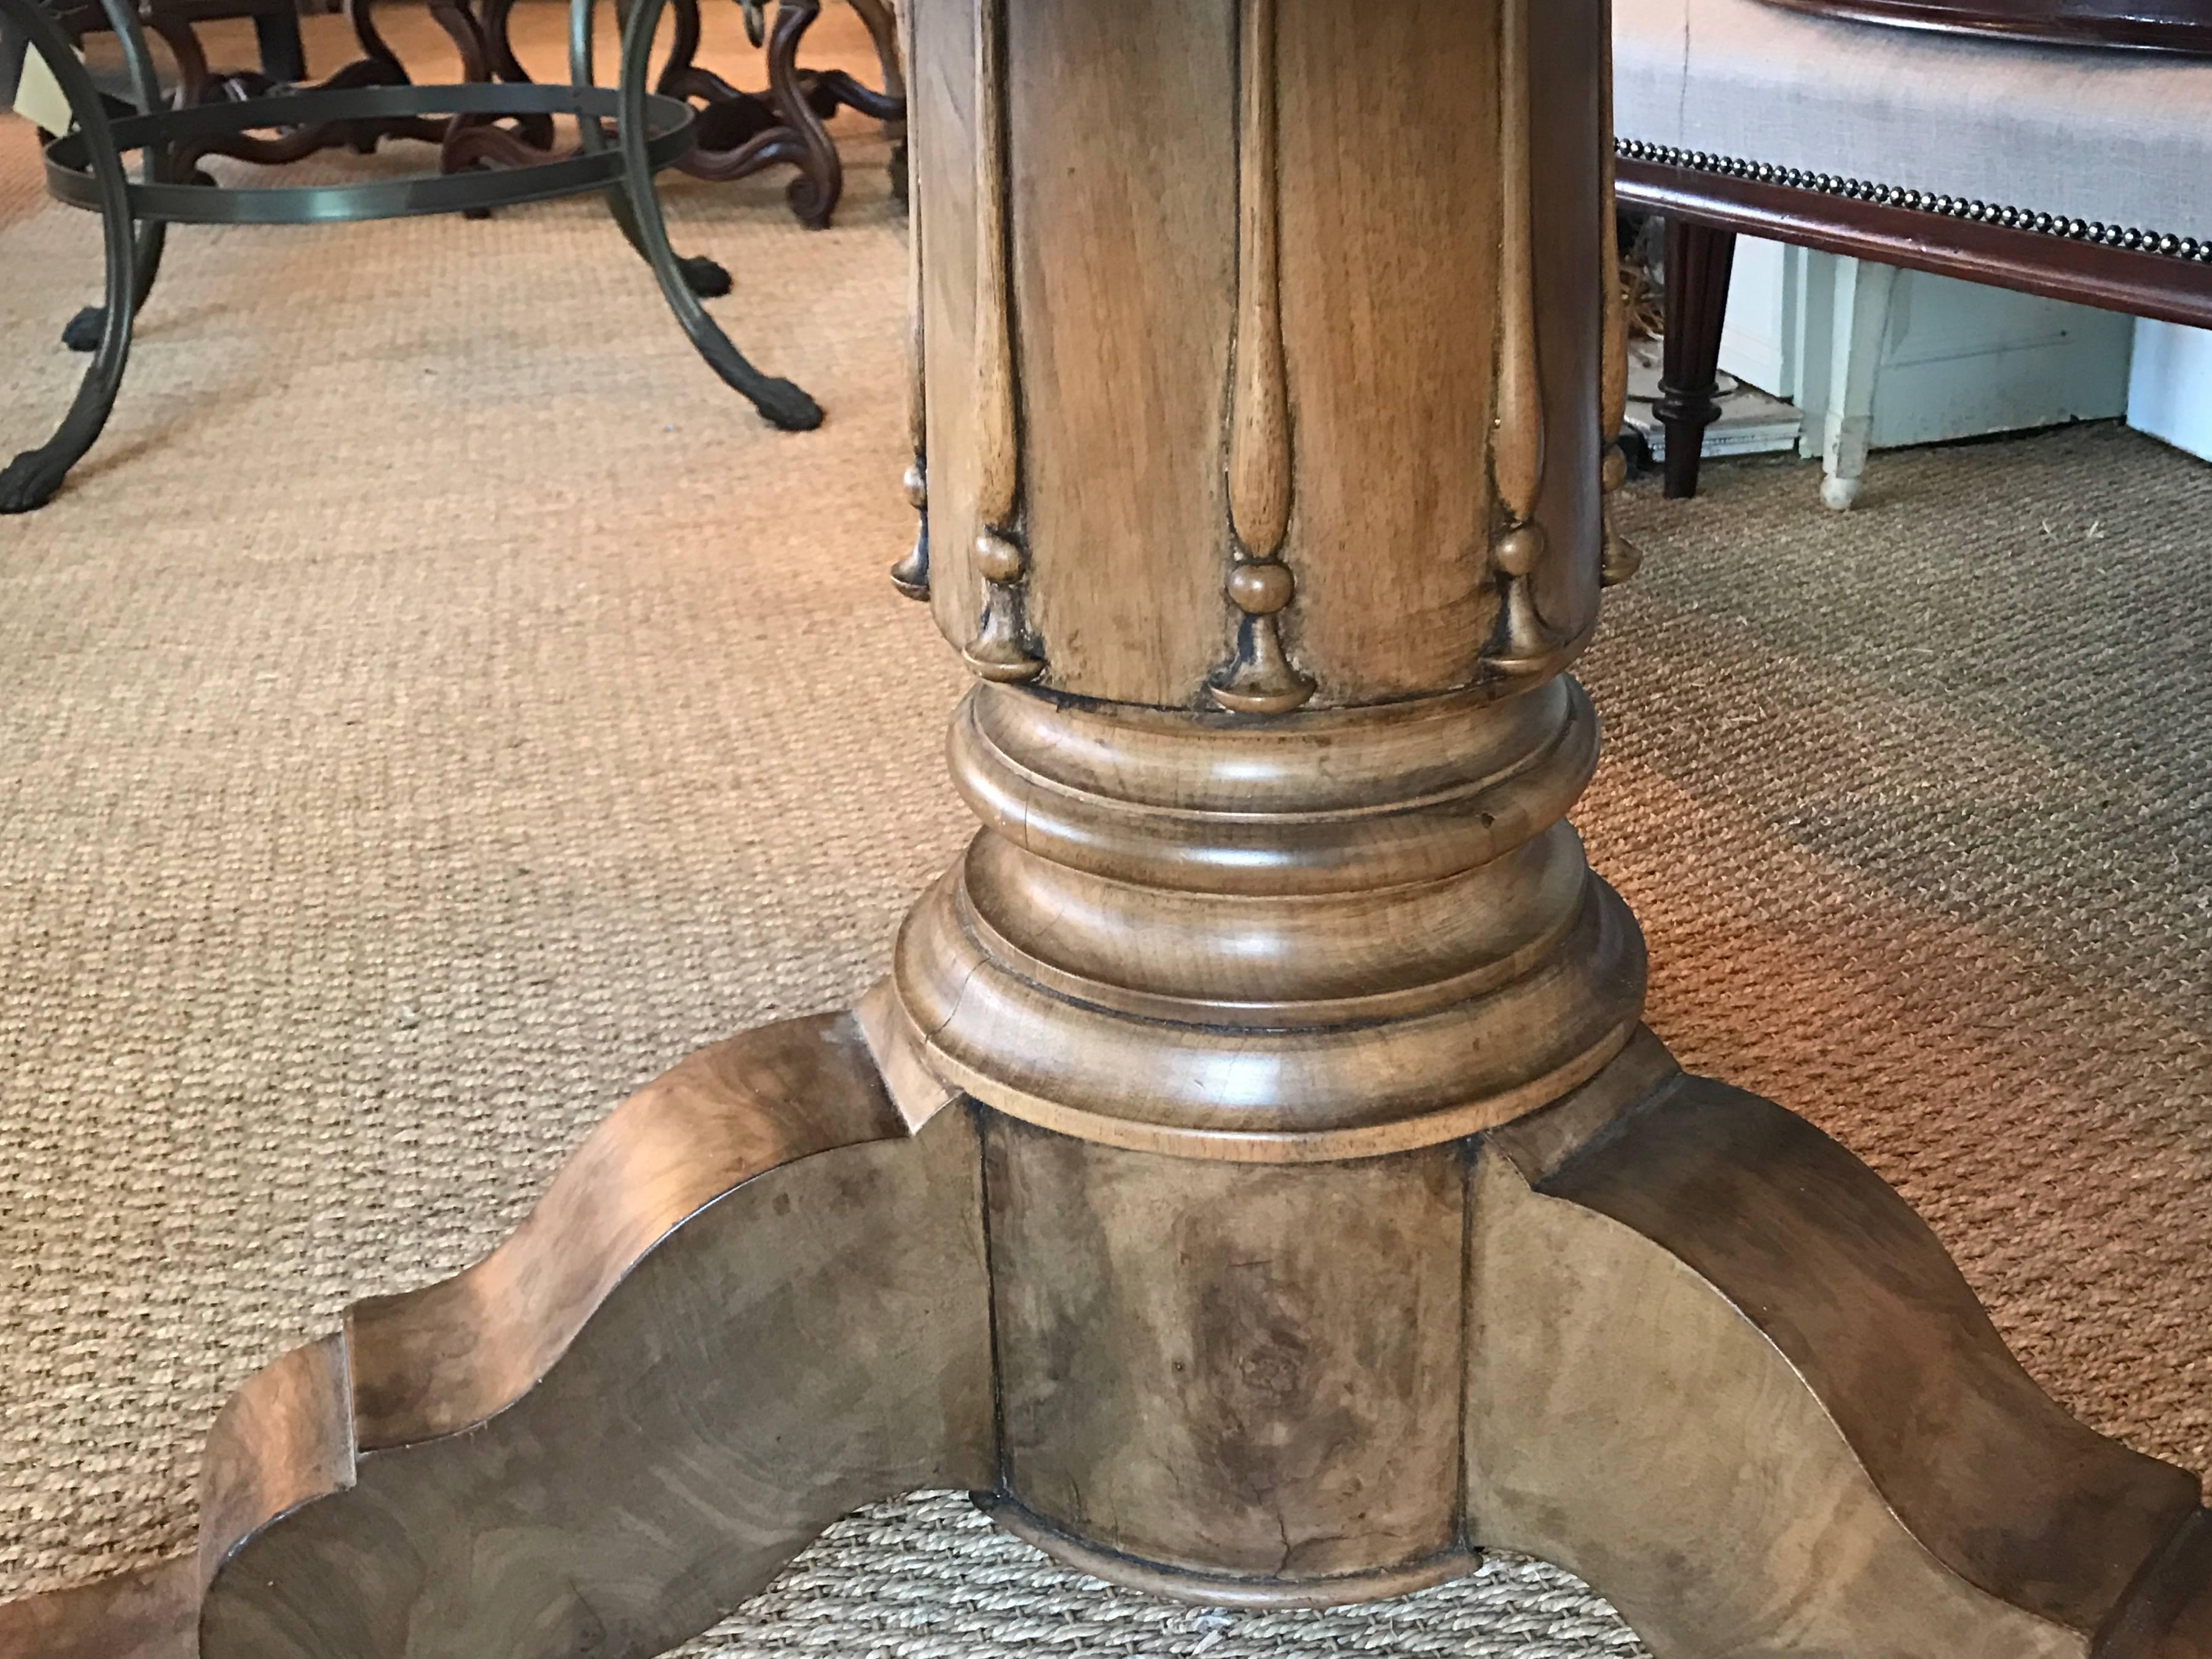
(1255, 1182)
(1723, 1372)
(1242, 1372)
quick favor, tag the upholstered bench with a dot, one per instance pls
(2077, 171)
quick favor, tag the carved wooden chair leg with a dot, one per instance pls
(378, 64)
(532, 136)
(1700, 261)
(814, 193)
(1729, 1377)
(754, 1300)
(30, 480)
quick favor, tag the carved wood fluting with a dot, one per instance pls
(1000, 649)
(1620, 559)
(910, 576)
(1524, 645)
(1259, 678)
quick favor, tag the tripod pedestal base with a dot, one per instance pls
(1662, 1332)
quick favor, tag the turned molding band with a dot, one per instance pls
(1334, 934)
(1275, 962)
(1310, 1095)
(1329, 801)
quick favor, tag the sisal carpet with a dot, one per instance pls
(437, 706)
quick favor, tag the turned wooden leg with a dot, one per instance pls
(1700, 261)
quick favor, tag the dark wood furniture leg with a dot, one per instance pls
(815, 193)
(283, 54)
(1254, 1179)
(1699, 260)
(741, 133)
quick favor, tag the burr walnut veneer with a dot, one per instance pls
(1253, 1180)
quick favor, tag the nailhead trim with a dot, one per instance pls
(1954, 207)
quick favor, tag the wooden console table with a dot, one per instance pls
(1254, 1179)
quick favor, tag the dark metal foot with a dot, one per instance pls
(705, 278)
(786, 406)
(83, 332)
(28, 482)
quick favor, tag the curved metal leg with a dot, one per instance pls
(30, 480)
(754, 1300)
(707, 278)
(487, 53)
(781, 403)
(84, 332)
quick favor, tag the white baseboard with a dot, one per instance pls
(2170, 391)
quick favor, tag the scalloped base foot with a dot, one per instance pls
(1661, 1331)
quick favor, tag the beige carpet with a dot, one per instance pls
(438, 705)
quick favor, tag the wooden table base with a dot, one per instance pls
(1254, 1179)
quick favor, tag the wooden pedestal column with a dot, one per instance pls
(1253, 1180)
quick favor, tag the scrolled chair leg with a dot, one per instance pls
(814, 194)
